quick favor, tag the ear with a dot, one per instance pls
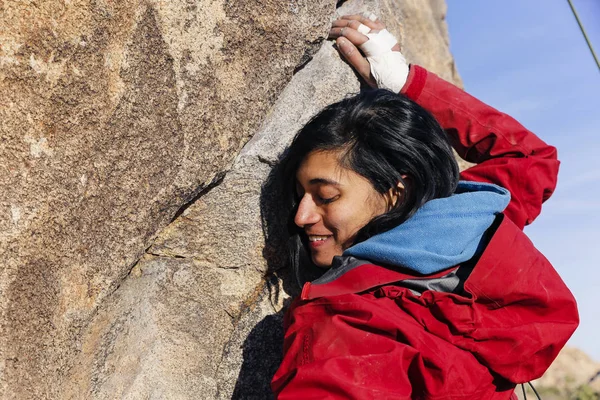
(395, 194)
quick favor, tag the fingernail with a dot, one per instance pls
(343, 45)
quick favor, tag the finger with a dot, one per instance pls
(356, 25)
(355, 37)
(377, 24)
(356, 59)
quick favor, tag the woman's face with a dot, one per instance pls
(335, 203)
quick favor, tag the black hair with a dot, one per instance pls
(383, 136)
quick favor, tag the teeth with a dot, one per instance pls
(317, 238)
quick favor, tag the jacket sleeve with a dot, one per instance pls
(506, 153)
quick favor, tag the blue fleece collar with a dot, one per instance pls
(441, 234)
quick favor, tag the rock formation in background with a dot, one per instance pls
(135, 237)
(572, 376)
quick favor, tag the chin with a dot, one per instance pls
(323, 262)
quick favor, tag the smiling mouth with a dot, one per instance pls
(315, 238)
(315, 241)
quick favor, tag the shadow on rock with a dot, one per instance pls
(263, 346)
(262, 355)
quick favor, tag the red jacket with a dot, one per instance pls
(362, 336)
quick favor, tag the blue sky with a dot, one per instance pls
(530, 60)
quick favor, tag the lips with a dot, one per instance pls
(318, 240)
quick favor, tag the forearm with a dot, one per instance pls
(477, 131)
(507, 153)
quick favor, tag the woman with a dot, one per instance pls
(422, 286)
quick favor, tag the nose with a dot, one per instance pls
(307, 213)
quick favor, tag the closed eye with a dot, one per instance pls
(328, 200)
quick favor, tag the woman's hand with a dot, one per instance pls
(382, 64)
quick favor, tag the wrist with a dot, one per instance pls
(390, 70)
(415, 82)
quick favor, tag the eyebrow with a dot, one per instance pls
(326, 181)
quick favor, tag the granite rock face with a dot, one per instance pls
(135, 235)
(114, 115)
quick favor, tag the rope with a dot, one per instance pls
(534, 391)
(584, 33)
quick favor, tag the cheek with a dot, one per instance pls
(337, 218)
(348, 219)
(377, 205)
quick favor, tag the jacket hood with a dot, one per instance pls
(441, 234)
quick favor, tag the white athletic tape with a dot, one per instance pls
(372, 17)
(389, 68)
(378, 43)
(363, 29)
